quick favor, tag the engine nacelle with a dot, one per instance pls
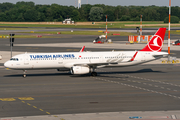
(80, 70)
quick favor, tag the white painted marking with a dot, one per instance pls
(173, 117)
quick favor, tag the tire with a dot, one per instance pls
(24, 76)
(93, 74)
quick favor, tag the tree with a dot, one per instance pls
(22, 3)
(163, 12)
(75, 15)
(96, 14)
(29, 11)
(6, 6)
(125, 18)
(174, 19)
(56, 11)
(110, 15)
(86, 9)
(3, 17)
(30, 15)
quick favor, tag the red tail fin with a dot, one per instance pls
(156, 43)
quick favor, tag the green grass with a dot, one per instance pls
(18, 29)
(27, 36)
(174, 32)
(116, 24)
(44, 34)
(80, 33)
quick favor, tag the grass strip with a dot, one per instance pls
(116, 24)
(81, 33)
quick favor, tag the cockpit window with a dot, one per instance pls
(14, 59)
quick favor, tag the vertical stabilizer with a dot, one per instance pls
(156, 43)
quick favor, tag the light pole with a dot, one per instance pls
(141, 25)
(11, 45)
(11, 42)
(169, 30)
(106, 27)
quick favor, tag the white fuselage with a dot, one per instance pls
(70, 59)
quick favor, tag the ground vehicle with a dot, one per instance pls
(176, 42)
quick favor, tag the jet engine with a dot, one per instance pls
(80, 70)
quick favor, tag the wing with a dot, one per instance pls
(94, 64)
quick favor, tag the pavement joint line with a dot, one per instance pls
(149, 84)
(147, 90)
(156, 81)
(151, 80)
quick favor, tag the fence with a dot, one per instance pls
(140, 38)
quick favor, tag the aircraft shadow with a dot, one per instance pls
(121, 72)
(41, 74)
(127, 72)
(85, 75)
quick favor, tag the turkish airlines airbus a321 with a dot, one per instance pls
(86, 62)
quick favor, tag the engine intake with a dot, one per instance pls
(80, 70)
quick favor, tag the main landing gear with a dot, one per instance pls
(24, 73)
(94, 74)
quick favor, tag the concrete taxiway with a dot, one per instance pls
(147, 91)
(48, 92)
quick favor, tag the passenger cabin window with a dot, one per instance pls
(14, 59)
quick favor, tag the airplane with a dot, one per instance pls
(87, 62)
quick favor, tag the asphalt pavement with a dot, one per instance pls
(149, 90)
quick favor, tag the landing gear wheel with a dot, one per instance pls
(24, 73)
(24, 76)
(93, 74)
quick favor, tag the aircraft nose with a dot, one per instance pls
(6, 64)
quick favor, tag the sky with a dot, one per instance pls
(106, 2)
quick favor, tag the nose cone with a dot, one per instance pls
(6, 64)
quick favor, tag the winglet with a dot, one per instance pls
(82, 49)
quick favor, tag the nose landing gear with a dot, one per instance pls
(24, 73)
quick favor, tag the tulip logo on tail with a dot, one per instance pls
(156, 43)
